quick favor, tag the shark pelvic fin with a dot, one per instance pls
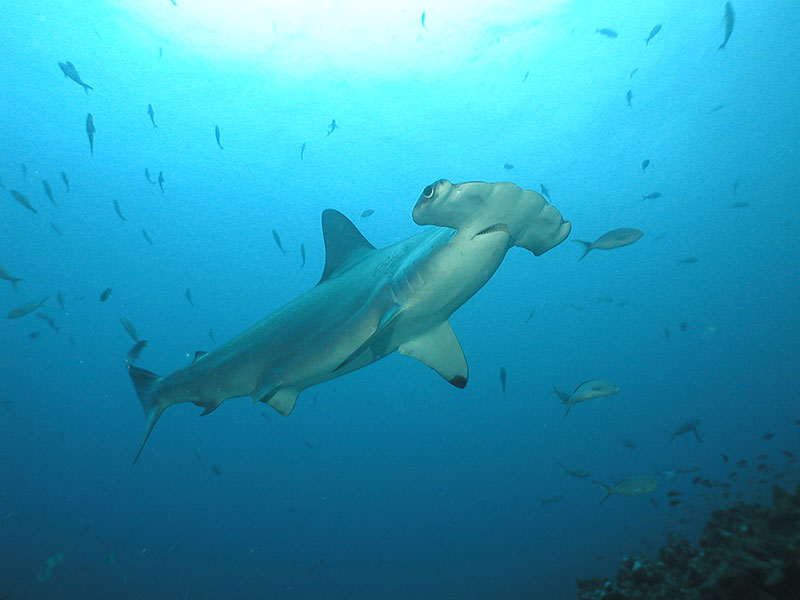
(440, 350)
(283, 400)
(344, 244)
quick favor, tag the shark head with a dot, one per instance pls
(478, 206)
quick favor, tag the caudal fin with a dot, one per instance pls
(606, 490)
(146, 385)
(586, 247)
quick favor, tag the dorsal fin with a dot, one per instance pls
(199, 354)
(344, 244)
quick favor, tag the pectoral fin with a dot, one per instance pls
(440, 350)
(378, 342)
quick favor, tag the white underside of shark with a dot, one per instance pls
(369, 302)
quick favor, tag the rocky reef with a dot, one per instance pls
(746, 552)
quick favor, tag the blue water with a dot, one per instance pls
(389, 482)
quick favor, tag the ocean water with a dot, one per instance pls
(388, 482)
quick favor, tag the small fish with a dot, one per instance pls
(90, 129)
(609, 33)
(589, 389)
(332, 127)
(129, 328)
(146, 236)
(735, 186)
(151, 114)
(530, 315)
(148, 177)
(24, 171)
(65, 179)
(188, 294)
(767, 436)
(645, 164)
(503, 379)
(674, 502)
(118, 210)
(716, 108)
(161, 180)
(724, 458)
(508, 166)
(652, 196)
(673, 493)
(615, 238)
(55, 228)
(742, 463)
(634, 72)
(683, 326)
(628, 443)
(7, 276)
(579, 473)
(216, 134)
(551, 499)
(422, 20)
(211, 335)
(740, 204)
(653, 33)
(367, 213)
(49, 320)
(787, 453)
(278, 241)
(545, 191)
(23, 200)
(606, 299)
(666, 333)
(730, 19)
(71, 72)
(686, 428)
(302, 150)
(106, 293)
(632, 486)
(49, 192)
(60, 299)
(216, 470)
(524, 79)
(26, 308)
(687, 260)
(34, 334)
(629, 96)
(302, 255)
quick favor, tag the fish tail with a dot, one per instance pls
(15, 281)
(146, 384)
(586, 247)
(606, 491)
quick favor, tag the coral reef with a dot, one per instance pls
(747, 552)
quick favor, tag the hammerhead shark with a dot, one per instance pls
(368, 303)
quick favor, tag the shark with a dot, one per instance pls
(368, 303)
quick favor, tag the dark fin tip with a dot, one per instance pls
(459, 381)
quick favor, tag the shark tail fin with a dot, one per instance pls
(586, 247)
(606, 491)
(146, 384)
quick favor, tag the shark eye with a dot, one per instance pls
(428, 192)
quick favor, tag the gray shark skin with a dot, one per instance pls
(368, 303)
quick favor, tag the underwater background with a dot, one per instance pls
(388, 482)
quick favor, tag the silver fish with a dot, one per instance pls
(609, 33)
(686, 428)
(23, 200)
(188, 294)
(71, 72)
(65, 179)
(730, 19)
(579, 473)
(90, 130)
(26, 308)
(632, 486)
(277, 239)
(129, 328)
(216, 134)
(147, 237)
(151, 114)
(118, 210)
(49, 192)
(592, 388)
(653, 33)
(645, 164)
(615, 238)
(7, 276)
